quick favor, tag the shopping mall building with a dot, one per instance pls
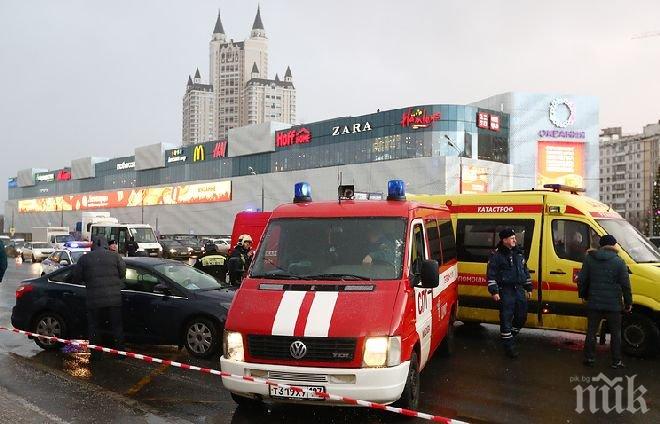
(508, 141)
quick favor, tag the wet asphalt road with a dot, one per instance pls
(478, 384)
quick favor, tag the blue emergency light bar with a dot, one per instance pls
(302, 192)
(396, 190)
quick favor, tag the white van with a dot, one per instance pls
(121, 233)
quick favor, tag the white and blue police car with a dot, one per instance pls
(69, 255)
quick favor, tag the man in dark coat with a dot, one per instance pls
(3, 260)
(510, 285)
(603, 282)
(213, 263)
(103, 273)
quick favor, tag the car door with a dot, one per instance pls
(165, 319)
(73, 298)
(150, 317)
(423, 296)
(567, 243)
(51, 263)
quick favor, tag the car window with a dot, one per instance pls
(63, 276)
(448, 241)
(476, 239)
(433, 237)
(572, 239)
(140, 280)
(417, 253)
(55, 257)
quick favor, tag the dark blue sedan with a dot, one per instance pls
(165, 302)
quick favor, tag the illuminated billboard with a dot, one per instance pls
(149, 196)
(560, 162)
(474, 180)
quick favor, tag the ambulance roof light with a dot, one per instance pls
(559, 187)
(302, 192)
(396, 190)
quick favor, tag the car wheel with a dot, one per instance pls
(410, 396)
(201, 338)
(640, 335)
(49, 324)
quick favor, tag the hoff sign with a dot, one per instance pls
(295, 136)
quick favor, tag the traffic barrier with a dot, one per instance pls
(151, 359)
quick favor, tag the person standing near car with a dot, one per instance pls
(510, 285)
(213, 263)
(103, 273)
(240, 259)
(3, 260)
(603, 282)
(132, 247)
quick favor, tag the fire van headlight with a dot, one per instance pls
(381, 352)
(233, 346)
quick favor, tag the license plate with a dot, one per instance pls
(286, 393)
(153, 254)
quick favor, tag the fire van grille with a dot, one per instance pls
(325, 349)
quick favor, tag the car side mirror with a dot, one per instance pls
(430, 274)
(64, 262)
(162, 289)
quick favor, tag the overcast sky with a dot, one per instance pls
(99, 78)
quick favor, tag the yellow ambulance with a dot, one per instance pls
(555, 226)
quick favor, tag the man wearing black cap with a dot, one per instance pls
(510, 285)
(602, 283)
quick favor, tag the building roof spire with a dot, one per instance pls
(257, 20)
(255, 70)
(189, 81)
(218, 25)
(277, 78)
(197, 75)
(287, 74)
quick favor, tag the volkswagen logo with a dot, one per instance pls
(298, 349)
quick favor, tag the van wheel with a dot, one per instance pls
(201, 338)
(410, 396)
(447, 346)
(640, 335)
(245, 402)
(49, 324)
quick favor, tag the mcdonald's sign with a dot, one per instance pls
(198, 153)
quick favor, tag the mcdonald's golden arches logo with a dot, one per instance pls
(198, 153)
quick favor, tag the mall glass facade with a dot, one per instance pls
(418, 131)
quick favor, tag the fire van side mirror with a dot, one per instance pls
(430, 274)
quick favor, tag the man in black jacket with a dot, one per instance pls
(240, 259)
(510, 285)
(602, 283)
(103, 273)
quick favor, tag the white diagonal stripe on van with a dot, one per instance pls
(287, 313)
(320, 314)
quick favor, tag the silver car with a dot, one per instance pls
(37, 251)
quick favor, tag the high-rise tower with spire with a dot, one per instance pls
(198, 112)
(238, 74)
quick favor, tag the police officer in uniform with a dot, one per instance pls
(510, 285)
(213, 263)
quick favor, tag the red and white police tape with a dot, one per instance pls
(343, 399)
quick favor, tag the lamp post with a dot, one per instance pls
(253, 172)
(460, 152)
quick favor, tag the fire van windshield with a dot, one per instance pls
(331, 249)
